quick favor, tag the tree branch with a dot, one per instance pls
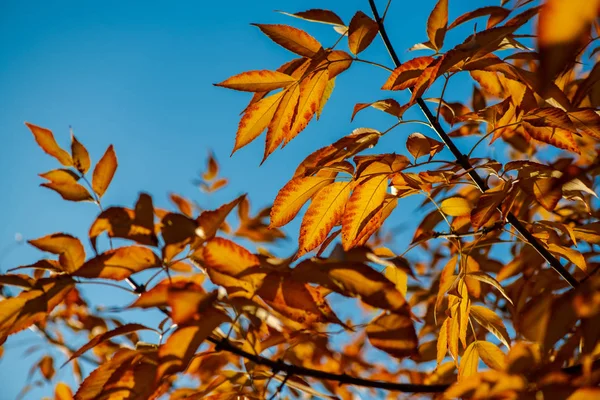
(466, 164)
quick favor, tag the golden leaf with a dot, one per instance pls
(119, 263)
(70, 250)
(257, 81)
(104, 171)
(293, 39)
(361, 32)
(45, 139)
(437, 24)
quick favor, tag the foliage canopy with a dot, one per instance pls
(502, 301)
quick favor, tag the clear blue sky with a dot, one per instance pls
(139, 75)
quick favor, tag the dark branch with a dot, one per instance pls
(466, 164)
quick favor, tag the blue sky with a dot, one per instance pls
(139, 75)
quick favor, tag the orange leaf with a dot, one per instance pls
(389, 106)
(104, 171)
(311, 91)
(64, 182)
(587, 121)
(293, 39)
(257, 81)
(81, 157)
(176, 353)
(229, 258)
(188, 301)
(292, 197)
(31, 306)
(255, 119)
(69, 248)
(62, 392)
(212, 168)
(407, 74)
(394, 334)
(45, 139)
(318, 15)
(419, 145)
(210, 221)
(361, 32)
(437, 24)
(46, 365)
(136, 225)
(158, 295)
(119, 263)
(96, 340)
(281, 124)
(557, 137)
(497, 15)
(183, 204)
(326, 95)
(558, 46)
(324, 212)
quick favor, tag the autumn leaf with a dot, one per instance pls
(257, 81)
(442, 341)
(293, 39)
(489, 353)
(492, 322)
(229, 258)
(324, 212)
(255, 120)
(45, 139)
(119, 263)
(419, 145)
(210, 221)
(389, 106)
(407, 74)
(394, 334)
(281, 124)
(64, 182)
(175, 354)
(70, 250)
(437, 24)
(293, 196)
(361, 32)
(317, 15)
(456, 206)
(496, 15)
(80, 155)
(104, 171)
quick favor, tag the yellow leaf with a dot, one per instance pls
(45, 139)
(398, 277)
(64, 182)
(293, 39)
(437, 24)
(453, 333)
(257, 81)
(119, 263)
(292, 197)
(463, 312)
(104, 171)
(389, 106)
(62, 392)
(490, 354)
(280, 125)
(366, 198)
(69, 248)
(229, 258)
(557, 137)
(456, 206)
(468, 362)
(81, 157)
(324, 212)
(394, 334)
(326, 95)
(442, 341)
(255, 120)
(361, 32)
(483, 277)
(568, 253)
(312, 88)
(492, 322)
(317, 15)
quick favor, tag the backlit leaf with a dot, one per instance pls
(324, 212)
(419, 145)
(104, 171)
(211, 220)
(64, 182)
(70, 250)
(119, 263)
(485, 278)
(456, 206)
(492, 322)
(45, 139)
(407, 74)
(229, 258)
(361, 32)
(317, 15)
(80, 155)
(468, 362)
(255, 120)
(437, 24)
(497, 14)
(292, 197)
(281, 124)
(257, 81)
(442, 341)
(394, 334)
(293, 39)
(389, 106)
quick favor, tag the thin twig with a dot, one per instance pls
(466, 164)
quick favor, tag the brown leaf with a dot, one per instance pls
(497, 15)
(389, 106)
(45, 139)
(394, 334)
(211, 220)
(104, 171)
(407, 74)
(69, 248)
(437, 24)
(64, 182)
(119, 263)
(361, 32)
(293, 39)
(80, 156)
(318, 15)
(136, 225)
(419, 145)
(46, 365)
